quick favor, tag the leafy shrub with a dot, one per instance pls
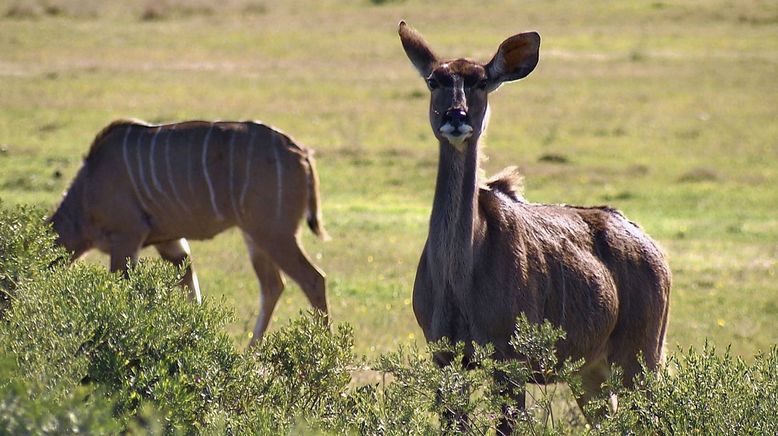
(138, 339)
(84, 350)
(702, 392)
(418, 397)
(138, 345)
(27, 408)
(298, 375)
(26, 249)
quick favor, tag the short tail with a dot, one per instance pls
(314, 219)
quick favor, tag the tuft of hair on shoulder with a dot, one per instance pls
(509, 181)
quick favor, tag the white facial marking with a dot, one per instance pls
(456, 135)
(457, 140)
(459, 90)
(208, 176)
(446, 129)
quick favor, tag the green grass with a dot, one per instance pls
(664, 110)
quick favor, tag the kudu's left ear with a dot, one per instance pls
(418, 51)
(514, 60)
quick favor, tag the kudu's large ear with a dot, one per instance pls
(417, 50)
(514, 60)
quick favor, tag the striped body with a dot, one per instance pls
(196, 179)
(157, 185)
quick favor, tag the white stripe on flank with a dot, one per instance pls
(170, 171)
(279, 170)
(248, 171)
(207, 176)
(153, 168)
(233, 135)
(141, 175)
(129, 170)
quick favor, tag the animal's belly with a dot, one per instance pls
(205, 228)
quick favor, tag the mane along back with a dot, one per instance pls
(289, 142)
(99, 140)
(510, 182)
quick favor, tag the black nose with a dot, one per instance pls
(456, 117)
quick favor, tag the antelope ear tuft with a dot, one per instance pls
(417, 50)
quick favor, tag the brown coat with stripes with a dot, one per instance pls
(156, 185)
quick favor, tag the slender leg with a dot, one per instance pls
(125, 247)
(271, 286)
(592, 377)
(517, 394)
(288, 255)
(177, 252)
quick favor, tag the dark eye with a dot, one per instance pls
(482, 84)
(432, 83)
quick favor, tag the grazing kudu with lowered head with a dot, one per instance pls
(490, 255)
(146, 185)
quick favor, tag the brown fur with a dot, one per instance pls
(146, 185)
(491, 256)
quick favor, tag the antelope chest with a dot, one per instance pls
(457, 303)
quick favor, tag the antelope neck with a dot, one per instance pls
(454, 219)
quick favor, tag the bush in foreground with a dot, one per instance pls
(702, 392)
(86, 351)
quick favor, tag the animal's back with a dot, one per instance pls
(588, 270)
(196, 178)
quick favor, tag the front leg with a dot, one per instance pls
(125, 248)
(423, 297)
(516, 393)
(438, 319)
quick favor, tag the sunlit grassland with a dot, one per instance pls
(666, 111)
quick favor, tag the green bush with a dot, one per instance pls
(702, 392)
(26, 249)
(83, 350)
(137, 339)
(136, 344)
(27, 408)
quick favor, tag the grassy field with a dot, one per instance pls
(665, 110)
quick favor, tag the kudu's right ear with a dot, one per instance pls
(417, 50)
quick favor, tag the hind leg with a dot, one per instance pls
(593, 375)
(177, 252)
(288, 255)
(271, 286)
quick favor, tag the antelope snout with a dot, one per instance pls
(456, 125)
